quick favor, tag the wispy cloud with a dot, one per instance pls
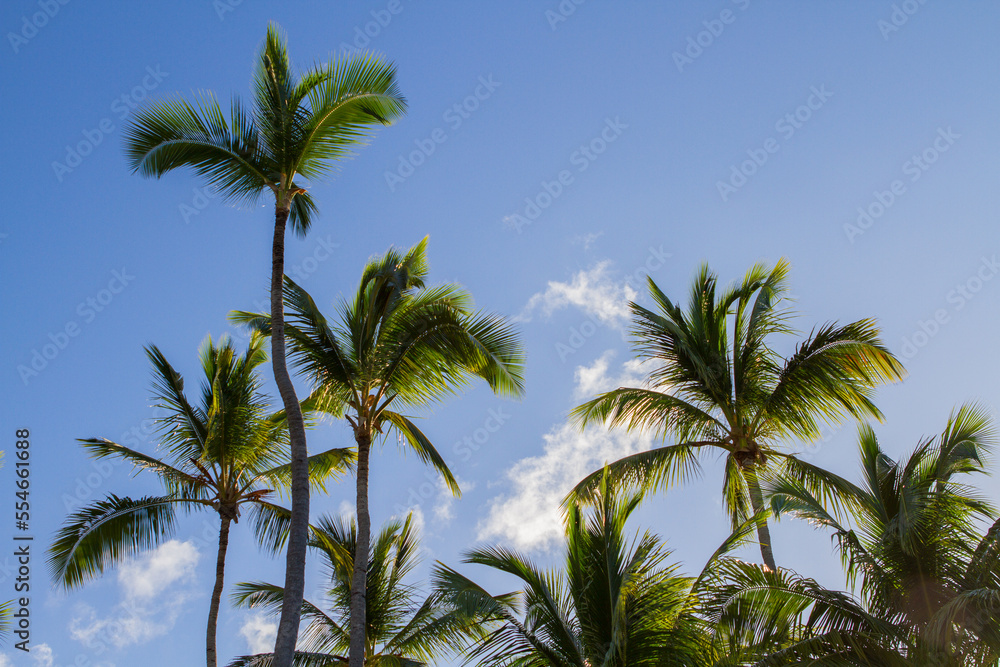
(150, 602)
(594, 291)
(529, 516)
(42, 655)
(260, 633)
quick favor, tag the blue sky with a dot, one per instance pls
(859, 140)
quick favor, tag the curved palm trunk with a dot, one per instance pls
(213, 610)
(295, 559)
(359, 583)
(763, 532)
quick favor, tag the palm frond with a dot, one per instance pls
(104, 533)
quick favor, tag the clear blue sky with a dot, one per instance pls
(652, 137)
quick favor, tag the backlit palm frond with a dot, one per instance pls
(350, 97)
(104, 533)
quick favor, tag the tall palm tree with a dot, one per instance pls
(399, 345)
(716, 383)
(616, 602)
(400, 627)
(222, 454)
(911, 534)
(297, 126)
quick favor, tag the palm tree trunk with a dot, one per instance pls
(763, 532)
(295, 559)
(213, 610)
(359, 584)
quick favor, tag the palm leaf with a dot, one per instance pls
(105, 533)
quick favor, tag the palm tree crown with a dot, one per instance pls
(911, 534)
(223, 453)
(617, 601)
(717, 383)
(401, 627)
(399, 345)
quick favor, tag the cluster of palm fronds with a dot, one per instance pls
(911, 535)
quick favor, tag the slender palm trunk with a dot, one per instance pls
(295, 559)
(763, 532)
(220, 574)
(359, 584)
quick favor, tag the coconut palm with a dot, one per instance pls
(225, 453)
(399, 345)
(911, 535)
(762, 617)
(716, 384)
(401, 627)
(296, 127)
(616, 601)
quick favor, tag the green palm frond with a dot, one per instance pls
(831, 374)
(423, 447)
(323, 467)
(179, 482)
(104, 533)
(227, 155)
(660, 467)
(401, 627)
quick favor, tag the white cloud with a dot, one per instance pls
(530, 516)
(42, 655)
(260, 633)
(150, 602)
(588, 239)
(151, 573)
(347, 511)
(5, 660)
(593, 291)
(444, 508)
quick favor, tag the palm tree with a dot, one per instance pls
(716, 383)
(401, 345)
(762, 617)
(400, 628)
(615, 603)
(297, 127)
(911, 534)
(222, 454)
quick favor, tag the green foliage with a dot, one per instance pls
(398, 344)
(402, 627)
(616, 602)
(219, 453)
(716, 383)
(910, 539)
(293, 126)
